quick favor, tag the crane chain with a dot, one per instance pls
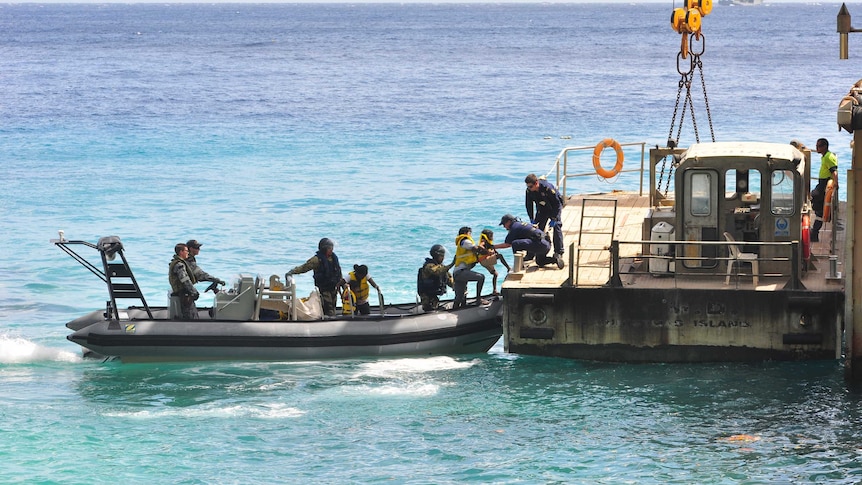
(661, 176)
(661, 173)
(696, 48)
(671, 143)
(686, 77)
(691, 107)
(705, 97)
(669, 176)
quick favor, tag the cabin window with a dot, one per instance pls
(738, 183)
(734, 184)
(701, 203)
(782, 192)
(754, 183)
(729, 181)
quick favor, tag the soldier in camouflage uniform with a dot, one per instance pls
(327, 274)
(199, 274)
(182, 280)
(433, 278)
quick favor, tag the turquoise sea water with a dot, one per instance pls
(259, 129)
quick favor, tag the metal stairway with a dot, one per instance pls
(596, 232)
(117, 275)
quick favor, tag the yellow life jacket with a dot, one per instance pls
(349, 297)
(466, 256)
(486, 243)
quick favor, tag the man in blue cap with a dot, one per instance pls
(526, 237)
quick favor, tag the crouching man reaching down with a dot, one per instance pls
(528, 238)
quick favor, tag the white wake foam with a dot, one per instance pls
(411, 389)
(400, 367)
(272, 411)
(17, 350)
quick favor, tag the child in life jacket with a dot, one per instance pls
(489, 259)
(354, 299)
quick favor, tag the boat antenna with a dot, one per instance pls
(687, 22)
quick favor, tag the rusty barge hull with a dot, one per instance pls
(673, 325)
(717, 261)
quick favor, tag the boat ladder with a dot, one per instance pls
(122, 284)
(595, 235)
(118, 275)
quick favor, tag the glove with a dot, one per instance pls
(552, 223)
(533, 222)
(221, 282)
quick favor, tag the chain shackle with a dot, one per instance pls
(693, 46)
(679, 65)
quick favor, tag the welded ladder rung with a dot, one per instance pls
(595, 235)
(122, 284)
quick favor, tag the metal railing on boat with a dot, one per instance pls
(612, 262)
(561, 166)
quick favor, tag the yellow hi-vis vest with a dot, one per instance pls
(466, 256)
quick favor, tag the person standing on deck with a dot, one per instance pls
(433, 278)
(327, 274)
(199, 274)
(182, 280)
(828, 171)
(466, 257)
(545, 206)
(526, 237)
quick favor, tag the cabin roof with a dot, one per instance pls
(778, 151)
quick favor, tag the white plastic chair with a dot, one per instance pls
(738, 258)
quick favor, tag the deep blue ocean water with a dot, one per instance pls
(259, 129)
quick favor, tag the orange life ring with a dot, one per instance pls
(827, 201)
(597, 158)
(806, 238)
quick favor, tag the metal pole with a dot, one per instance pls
(844, 28)
(615, 280)
(853, 278)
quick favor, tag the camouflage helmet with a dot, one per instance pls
(437, 250)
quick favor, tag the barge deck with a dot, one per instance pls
(646, 281)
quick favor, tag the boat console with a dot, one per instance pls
(237, 302)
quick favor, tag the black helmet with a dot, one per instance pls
(325, 243)
(437, 250)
